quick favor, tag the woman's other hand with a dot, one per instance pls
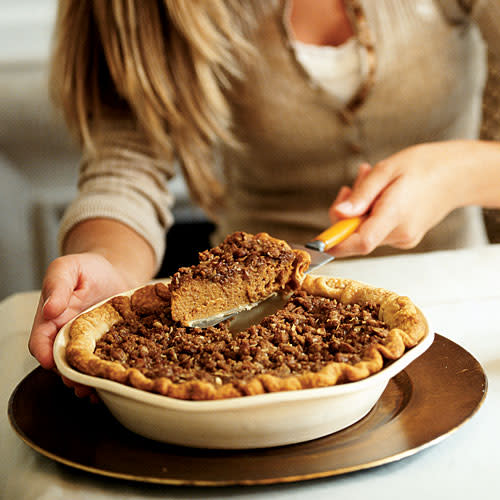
(410, 192)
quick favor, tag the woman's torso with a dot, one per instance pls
(300, 142)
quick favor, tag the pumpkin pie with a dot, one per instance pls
(330, 331)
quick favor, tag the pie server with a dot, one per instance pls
(328, 239)
(317, 249)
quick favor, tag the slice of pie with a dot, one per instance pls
(242, 271)
(331, 331)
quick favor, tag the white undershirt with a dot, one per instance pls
(339, 70)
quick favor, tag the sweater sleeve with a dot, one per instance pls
(121, 179)
(486, 14)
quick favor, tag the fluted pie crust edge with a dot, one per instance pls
(407, 328)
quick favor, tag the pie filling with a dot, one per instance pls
(242, 270)
(304, 336)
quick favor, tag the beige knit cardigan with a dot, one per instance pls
(425, 83)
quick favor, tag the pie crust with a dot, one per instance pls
(406, 326)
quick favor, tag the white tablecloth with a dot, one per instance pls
(459, 292)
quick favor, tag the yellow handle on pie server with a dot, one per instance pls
(335, 234)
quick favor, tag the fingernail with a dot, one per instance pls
(345, 206)
(46, 302)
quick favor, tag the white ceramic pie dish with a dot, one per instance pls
(265, 420)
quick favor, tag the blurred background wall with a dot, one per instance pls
(38, 162)
(35, 153)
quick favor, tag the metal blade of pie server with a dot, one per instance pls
(317, 258)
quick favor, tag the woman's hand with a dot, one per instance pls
(410, 192)
(72, 284)
(105, 257)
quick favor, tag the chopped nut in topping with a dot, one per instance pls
(308, 333)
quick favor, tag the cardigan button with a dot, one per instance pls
(355, 147)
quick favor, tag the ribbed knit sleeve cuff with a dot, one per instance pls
(134, 213)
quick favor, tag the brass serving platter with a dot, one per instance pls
(446, 381)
